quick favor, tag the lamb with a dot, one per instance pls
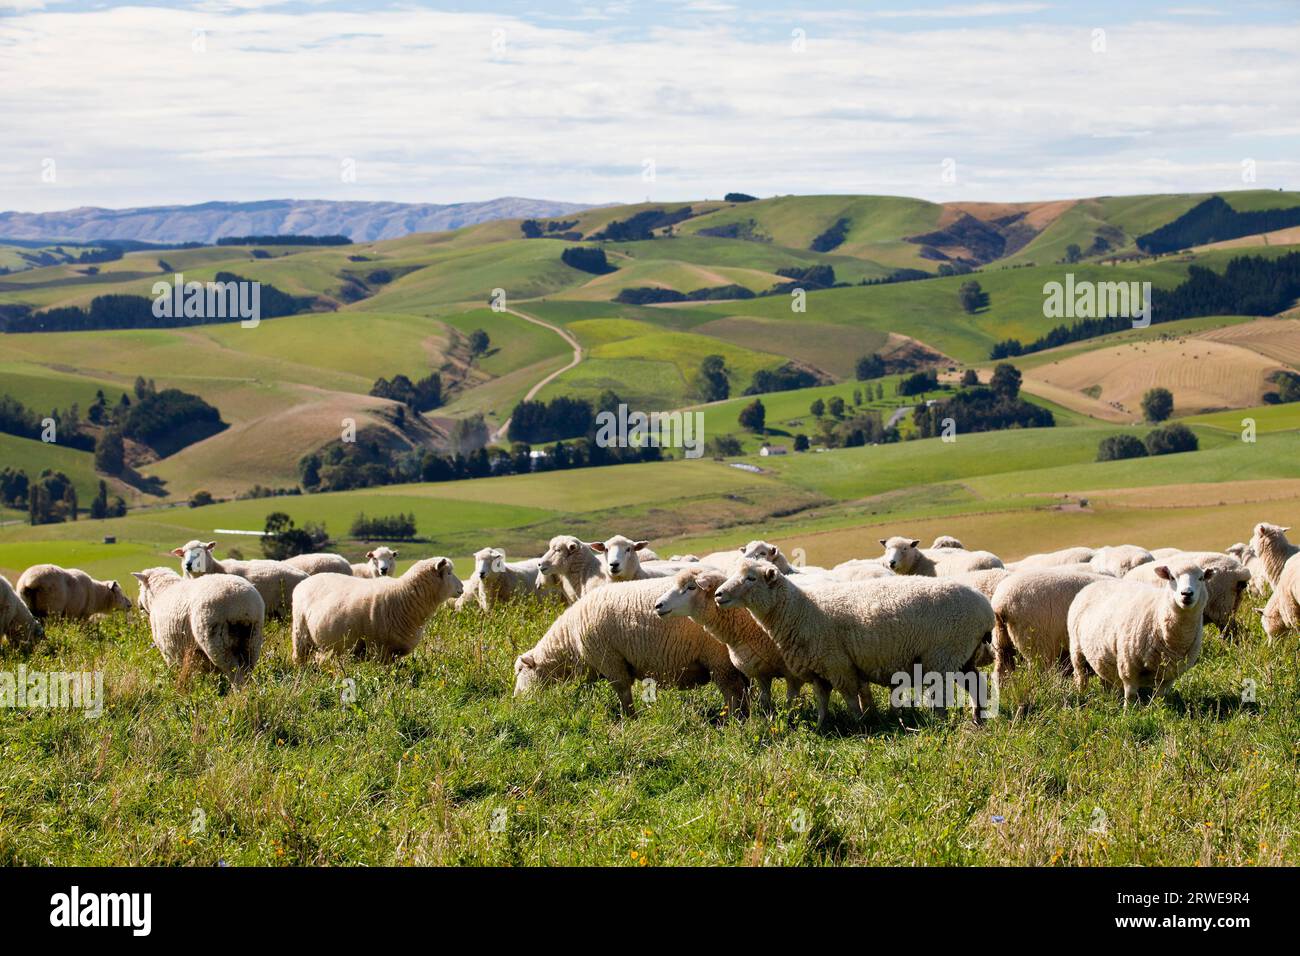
(1225, 588)
(1270, 544)
(854, 634)
(1120, 560)
(1052, 559)
(495, 581)
(379, 563)
(1032, 610)
(16, 621)
(1259, 585)
(947, 541)
(615, 633)
(215, 621)
(1137, 635)
(574, 564)
(383, 616)
(752, 651)
(320, 563)
(274, 580)
(51, 591)
(902, 556)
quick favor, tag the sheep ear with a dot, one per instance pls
(369, 555)
(209, 546)
(915, 542)
(179, 552)
(770, 575)
(1209, 573)
(396, 553)
(442, 565)
(597, 546)
(114, 586)
(1163, 572)
(527, 660)
(884, 542)
(140, 576)
(639, 545)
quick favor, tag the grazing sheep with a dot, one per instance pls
(574, 564)
(1270, 544)
(854, 634)
(215, 620)
(1259, 585)
(947, 541)
(379, 563)
(320, 563)
(1053, 559)
(902, 556)
(1119, 560)
(615, 633)
(1032, 610)
(16, 621)
(384, 616)
(752, 651)
(1137, 635)
(1225, 588)
(51, 591)
(274, 580)
(495, 581)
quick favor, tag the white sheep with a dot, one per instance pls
(1270, 544)
(379, 563)
(1259, 585)
(1052, 559)
(1120, 559)
(383, 616)
(947, 541)
(985, 581)
(50, 591)
(16, 621)
(859, 569)
(854, 634)
(1136, 635)
(1032, 610)
(903, 556)
(274, 580)
(320, 563)
(752, 650)
(766, 551)
(615, 633)
(215, 621)
(1226, 588)
(690, 558)
(574, 564)
(496, 581)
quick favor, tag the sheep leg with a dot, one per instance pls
(848, 688)
(792, 689)
(1004, 652)
(1080, 665)
(764, 694)
(822, 692)
(618, 674)
(1132, 695)
(301, 640)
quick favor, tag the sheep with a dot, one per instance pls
(320, 563)
(628, 560)
(766, 551)
(274, 580)
(51, 591)
(496, 581)
(859, 570)
(902, 556)
(1225, 589)
(1052, 559)
(854, 634)
(1032, 609)
(1259, 585)
(1161, 553)
(615, 633)
(1138, 635)
(216, 620)
(1282, 612)
(384, 616)
(1270, 544)
(1120, 560)
(947, 541)
(752, 651)
(379, 563)
(574, 564)
(16, 621)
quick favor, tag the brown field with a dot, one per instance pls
(1039, 215)
(1204, 373)
(1278, 237)
(1279, 339)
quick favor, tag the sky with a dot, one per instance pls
(132, 104)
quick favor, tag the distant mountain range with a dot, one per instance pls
(210, 221)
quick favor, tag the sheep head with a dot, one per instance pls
(116, 596)
(561, 553)
(1187, 583)
(435, 577)
(621, 561)
(749, 585)
(691, 593)
(383, 561)
(489, 561)
(196, 558)
(901, 554)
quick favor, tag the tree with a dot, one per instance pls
(201, 499)
(970, 378)
(836, 407)
(972, 297)
(478, 342)
(70, 501)
(1157, 404)
(1171, 440)
(110, 452)
(817, 408)
(1006, 381)
(753, 416)
(99, 507)
(713, 383)
(857, 396)
(870, 366)
(282, 540)
(801, 442)
(1073, 253)
(1118, 447)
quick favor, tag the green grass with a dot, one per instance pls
(34, 457)
(411, 764)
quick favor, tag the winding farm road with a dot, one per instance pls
(500, 433)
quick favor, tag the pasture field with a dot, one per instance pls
(431, 761)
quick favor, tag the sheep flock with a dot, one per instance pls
(918, 622)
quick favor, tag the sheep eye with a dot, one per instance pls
(690, 587)
(749, 578)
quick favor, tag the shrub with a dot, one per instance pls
(1157, 404)
(1119, 447)
(1171, 440)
